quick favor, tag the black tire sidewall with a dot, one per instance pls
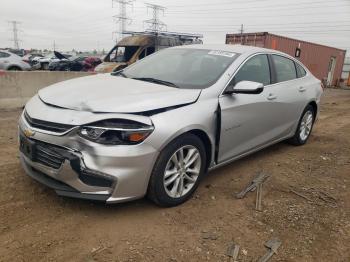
(14, 68)
(157, 191)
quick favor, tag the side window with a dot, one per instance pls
(255, 69)
(4, 55)
(285, 68)
(150, 50)
(143, 54)
(146, 52)
(300, 70)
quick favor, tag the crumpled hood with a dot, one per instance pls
(114, 94)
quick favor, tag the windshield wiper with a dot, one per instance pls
(119, 73)
(157, 81)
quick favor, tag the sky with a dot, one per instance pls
(89, 24)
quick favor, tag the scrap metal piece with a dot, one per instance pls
(260, 178)
(258, 203)
(233, 252)
(273, 245)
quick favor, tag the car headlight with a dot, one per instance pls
(116, 132)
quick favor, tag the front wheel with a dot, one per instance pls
(178, 171)
(305, 126)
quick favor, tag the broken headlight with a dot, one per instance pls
(116, 132)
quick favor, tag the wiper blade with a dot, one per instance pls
(157, 81)
(119, 73)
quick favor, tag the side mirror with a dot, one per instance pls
(245, 87)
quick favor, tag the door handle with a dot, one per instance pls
(302, 89)
(271, 97)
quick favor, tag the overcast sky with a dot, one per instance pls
(88, 24)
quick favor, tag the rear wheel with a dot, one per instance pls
(305, 126)
(14, 68)
(178, 171)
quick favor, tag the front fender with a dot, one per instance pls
(171, 124)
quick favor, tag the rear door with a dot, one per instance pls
(248, 121)
(289, 93)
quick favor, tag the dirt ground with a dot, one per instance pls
(306, 204)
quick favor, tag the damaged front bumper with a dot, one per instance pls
(78, 168)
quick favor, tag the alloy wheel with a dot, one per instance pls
(306, 125)
(182, 171)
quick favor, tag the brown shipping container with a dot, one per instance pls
(323, 61)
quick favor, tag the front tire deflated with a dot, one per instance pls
(177, 171)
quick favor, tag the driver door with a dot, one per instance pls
(248, 121)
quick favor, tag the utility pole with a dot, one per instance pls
(154, 24)
(54, 45)
(241, 31)
(15, 33)
(122, 17)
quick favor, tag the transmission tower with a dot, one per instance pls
(15, 33)
(122, 19)
(241, 31)
(154, 24)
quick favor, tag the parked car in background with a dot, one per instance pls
(19, 52)
(156, 127)
(63, 63)
(74, 63)
(10, 61)
(133, 48)
(42, 63)
(90, 63)
(28, 58)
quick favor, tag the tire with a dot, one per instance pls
(304, 129)
(173, 194)
(14, 68)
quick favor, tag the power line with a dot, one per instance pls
(122, 19)
(15, 30)
(255, 9)
(242, 15)
(239, 3)
(155, 24)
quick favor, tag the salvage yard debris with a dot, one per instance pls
(256, 184)
(314, 195)
(260, 178)
(233, 252)
(272, 245)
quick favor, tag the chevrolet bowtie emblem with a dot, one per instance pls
(28, 133)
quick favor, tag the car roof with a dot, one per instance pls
(240, 49)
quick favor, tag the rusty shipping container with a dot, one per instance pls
(324, 62)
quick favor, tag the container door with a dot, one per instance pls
(331, 69)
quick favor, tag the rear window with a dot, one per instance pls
(285, 68)
(300, 70)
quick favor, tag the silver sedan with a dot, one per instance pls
(157, 127)
(12, 62)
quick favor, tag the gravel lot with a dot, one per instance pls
(37, 225)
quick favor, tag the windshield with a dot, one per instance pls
(184, 68)
(121, 53)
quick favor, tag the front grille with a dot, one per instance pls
(45, 125)
(46, 155)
